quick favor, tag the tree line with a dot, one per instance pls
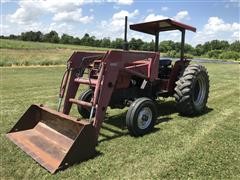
(212, 49)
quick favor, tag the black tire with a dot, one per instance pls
(85, 96)
(191, 91)
(134, 120)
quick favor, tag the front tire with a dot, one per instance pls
(141, 116)
(191, 91)
(85, 96)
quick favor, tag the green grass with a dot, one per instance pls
(204, 147)
(22, 53)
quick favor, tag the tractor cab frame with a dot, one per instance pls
(155, 27)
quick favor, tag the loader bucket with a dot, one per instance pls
(53, 139)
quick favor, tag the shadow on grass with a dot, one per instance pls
(169, 107)
(206, 111)
(75, 164)
(117, 121)
(164, 110)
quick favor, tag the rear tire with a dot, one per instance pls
(85, 96)
(141, 116)
(191, 91)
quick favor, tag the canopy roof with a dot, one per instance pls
(154, 27)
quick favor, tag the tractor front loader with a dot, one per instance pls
(115, 79)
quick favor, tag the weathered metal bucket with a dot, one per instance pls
(53, 139)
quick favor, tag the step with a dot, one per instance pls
(81, 103)
(86, 81)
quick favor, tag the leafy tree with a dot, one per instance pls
(136, 44)
(76, 41)
(188, 48)
(118, 43)
(212, 49)
(219, 45)
(38, 36)
(235, 46)
(207, 47)
(106, 42)
(85, 39)
(230, 55)
(31, 36)
(198, 50)
(66, 39)
(214, 53)
(11, 36)
(224, 45)
(152, 46)
(98, 42)
(92, 41)
(146, 46)
(51, 37)
(166, 46)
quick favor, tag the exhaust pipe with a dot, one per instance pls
(125, 43)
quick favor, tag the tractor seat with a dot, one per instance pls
(165, 62)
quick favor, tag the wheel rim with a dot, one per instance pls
(144, 118)
(199, 91)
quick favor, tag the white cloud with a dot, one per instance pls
(29, 11)
(122, 2)
(60, 28)
(182, 15)
(65, 11)
(164, 8)
(179, 16)
(58, 6)
(72, 16)
(153, 17)
(117, 21)
(126, 2)
(5, 1)
(216, 28)
(216, 24)
(8, 28)
(114, 27)
(121, 14)
(28, 16)
(236, 35)
(4, 29)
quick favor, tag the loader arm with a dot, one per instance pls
(78, 61)
(112, 63)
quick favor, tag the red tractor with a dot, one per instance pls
(115, 79)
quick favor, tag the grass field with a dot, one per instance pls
(22, 53)
(204, 147)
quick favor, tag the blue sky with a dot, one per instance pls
(105, 18)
